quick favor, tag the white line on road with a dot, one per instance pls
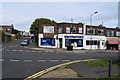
(53, 60)
(2, 60)
(20, 50)
(27, 60)
(14, 60)
(65, 60)
(33, 51)
(27, 51)
(14, 50)
(39, 51)
(42, 60)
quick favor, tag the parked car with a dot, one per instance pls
(24, 42)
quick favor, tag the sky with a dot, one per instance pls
(22, 14)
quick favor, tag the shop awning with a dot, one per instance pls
(113, 42)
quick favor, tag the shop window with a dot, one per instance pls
(90, 31)
(74, 30)
(100, 32)
(80, 30)
(87, 42)
(95, 42)
(60, 30)
(67, 29)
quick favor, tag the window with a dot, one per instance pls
(110, 33)
(100, 32)
(90, 31)
(67, 29)
(117, 33)
(74, 30)
(60, 30)
(48, 29)
(87, 43)
(80, 30)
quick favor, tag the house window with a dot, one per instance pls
(100, 32)
(117, 33)
(60, 29)
(80, 30)
(67, 29)
(74, 30)
(90, 31)
(110, 33)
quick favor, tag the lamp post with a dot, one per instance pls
(91, 32)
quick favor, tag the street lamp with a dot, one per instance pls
(91, 32)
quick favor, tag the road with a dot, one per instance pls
(19, 62)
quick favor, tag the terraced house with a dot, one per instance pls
(80, 35)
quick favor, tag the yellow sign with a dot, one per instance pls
(13, 35)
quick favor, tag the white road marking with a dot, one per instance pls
(20, 50)
(14, 50)
(14, 60)
(42, 60)
(27, 60)
(0, 49)
(65, 60)
(53, 60)
(33, 51)
(27, 51)
(2, 60)
(39, 51)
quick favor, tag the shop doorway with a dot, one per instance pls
(60, 42)
(98, 44)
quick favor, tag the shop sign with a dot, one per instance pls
(73, 36)
(80, 43)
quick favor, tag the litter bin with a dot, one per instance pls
(70, 48)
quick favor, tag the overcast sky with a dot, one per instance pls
(22, 14)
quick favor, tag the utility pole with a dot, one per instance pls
(91, 32)
(71, 25)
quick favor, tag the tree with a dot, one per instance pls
(14, 31)
(35, 25)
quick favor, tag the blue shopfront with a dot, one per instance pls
(48, 41)
(75, 41)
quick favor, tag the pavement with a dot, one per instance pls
(60, 50)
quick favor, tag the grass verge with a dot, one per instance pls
(99, 62)
(68, 67)
(56, 68)
(35, 44)
(79, 75)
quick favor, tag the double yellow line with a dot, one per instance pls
(51, 68)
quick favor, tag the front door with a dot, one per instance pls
(60, 42)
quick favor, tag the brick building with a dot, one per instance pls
(81, 36)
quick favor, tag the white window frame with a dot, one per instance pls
(73, 29)
(80, 30)
(102, 31)
(88, 29)
(60, 29)
(67, 29)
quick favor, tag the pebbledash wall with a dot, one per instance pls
(80, 39)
